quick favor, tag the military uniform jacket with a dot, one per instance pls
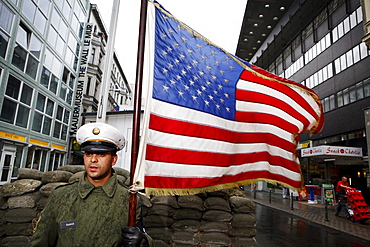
(80, 214)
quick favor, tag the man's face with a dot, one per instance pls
(98, 166)
(344, 179)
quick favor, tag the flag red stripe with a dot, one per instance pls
(191, 157)
(273, 76)
(248, 76)
(185, 183)
(208, 132)
(255, 117)
(261, 98)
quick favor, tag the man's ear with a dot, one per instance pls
(114, 159)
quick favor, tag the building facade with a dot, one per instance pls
(90, 81)
(320, 44)
(51, 64)
(40, 43)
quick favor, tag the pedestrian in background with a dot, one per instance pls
(94, 210)
(342, 197)
(285, 192)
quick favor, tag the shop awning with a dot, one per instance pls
(335, 153)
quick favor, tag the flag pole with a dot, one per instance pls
(137, 108)
(101, 115)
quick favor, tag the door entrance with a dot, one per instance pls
(6, 166)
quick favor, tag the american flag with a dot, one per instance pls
(116, 108)
(216, 121)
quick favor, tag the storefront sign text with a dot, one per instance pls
(332, 150)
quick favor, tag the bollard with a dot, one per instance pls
(254, 193)
(326, 210)
(291, 201)
(270, 196)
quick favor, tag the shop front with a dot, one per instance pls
(18, 151)
(12, 148)
(326, 165)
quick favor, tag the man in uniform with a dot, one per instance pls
(94, 210)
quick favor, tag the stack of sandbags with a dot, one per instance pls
(18, 209)
(223, 218)
(187, 217)
(243, 224)
(216, 221)
(23, 199)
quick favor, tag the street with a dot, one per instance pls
(276, 228)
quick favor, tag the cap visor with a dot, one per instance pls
(98, 148)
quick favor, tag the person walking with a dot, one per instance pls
(94, 210)
(342, 198)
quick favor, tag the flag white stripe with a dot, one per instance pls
(243, 106)
(255, 87)
(199, 171)
(180, 113)
(311, 101)
(167, 140)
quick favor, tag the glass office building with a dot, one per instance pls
(40, 43)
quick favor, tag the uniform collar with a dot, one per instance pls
(85, 186)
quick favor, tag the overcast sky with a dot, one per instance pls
(218, 20)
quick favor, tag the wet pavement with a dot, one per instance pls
(312, 213)
(276, 229)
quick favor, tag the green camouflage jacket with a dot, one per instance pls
(80, 214)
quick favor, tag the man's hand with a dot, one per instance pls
(132, 236)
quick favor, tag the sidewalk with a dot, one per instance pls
(314, 213)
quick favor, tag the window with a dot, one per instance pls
(58, 32)
(343, 62)
(64, 7)
(347, 24)
(320, 76)
(356, 54)
(49, 71)
(27, 51)
(88, 85)
(36, 158)
(36, 12)
(359, 91)
(92, 56)
(61, 123)
(67, 85)
(49, 80)
(330, 70)
(367, 87)
(72, 52)
(353, 19)
(6, 21)
(325, 104)
(351, 57)
(42, 120)
(55, 160)
(340, 99)
(329, 103)
(335, 34)
(352, 94)
(17, 102)
(364, 52)
(52, 63)
(345, 96)
(77, 19)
